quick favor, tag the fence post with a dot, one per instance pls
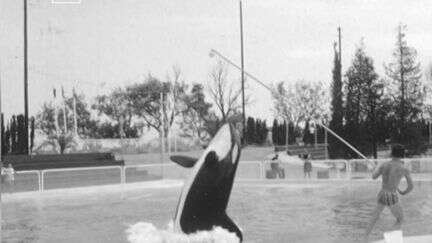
(123, 174)
(326, 144)
(42, 178)
(338, 176)
(348, 169)
(39, 181)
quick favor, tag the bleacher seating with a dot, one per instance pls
(51, 161)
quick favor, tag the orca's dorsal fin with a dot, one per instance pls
(184, 161)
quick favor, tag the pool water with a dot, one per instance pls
(267, 211)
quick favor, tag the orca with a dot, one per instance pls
(205, 195)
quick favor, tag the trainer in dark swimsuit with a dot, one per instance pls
(387, 198)
(391, 172)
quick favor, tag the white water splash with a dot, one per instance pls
(143, 232)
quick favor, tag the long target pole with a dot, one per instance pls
(344, 141)
(214, 52)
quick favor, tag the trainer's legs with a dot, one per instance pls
(375, 216)
(397, 212)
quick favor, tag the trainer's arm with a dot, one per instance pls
(377, 172)
(409, 182)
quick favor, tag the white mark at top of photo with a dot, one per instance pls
(66, 1)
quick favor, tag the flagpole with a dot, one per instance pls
(64, 111)
(74, 113)
(56, 123)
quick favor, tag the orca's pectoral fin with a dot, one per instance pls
(227, 223)
(184, 161)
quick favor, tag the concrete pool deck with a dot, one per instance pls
(79, 191)
(171, 183)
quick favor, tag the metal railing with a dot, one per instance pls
(26, 181)
(41, 180)
(77, 177)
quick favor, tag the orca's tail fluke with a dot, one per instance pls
(184, 161)
(227, 223)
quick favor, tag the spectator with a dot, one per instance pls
(275, 166)
(307, 166)
(1, 167)
(8, 177)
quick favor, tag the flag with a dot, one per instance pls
(63, 94)
(56, 124)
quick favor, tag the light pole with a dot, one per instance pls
(1, 124)
(25, 79)
(242, 71)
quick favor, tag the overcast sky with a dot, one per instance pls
(101, 44)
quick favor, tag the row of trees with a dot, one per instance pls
(300, 103)
(366, 109)
(150, 103)
(256, 131)
(14, 136)
(307, 134)
(369, 110)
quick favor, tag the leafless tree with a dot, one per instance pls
(225, 95)
(172, 108)
(301, 102)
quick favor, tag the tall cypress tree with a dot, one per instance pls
(257, 138)
(7, 141)
(21, 135)
(264, 132)
(13, 135)
(275, 131)
(251, 130)
(3, 138)
(408, 94)
(336, 106)
(283, 133)
(362, 100)
(292, 135)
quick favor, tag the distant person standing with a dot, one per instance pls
(275, 165)
(8, 177)
(1, 167)
(307, 166)
(391, 173)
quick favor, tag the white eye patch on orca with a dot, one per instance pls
(221, 143)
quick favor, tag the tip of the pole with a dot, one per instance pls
(212, 53)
